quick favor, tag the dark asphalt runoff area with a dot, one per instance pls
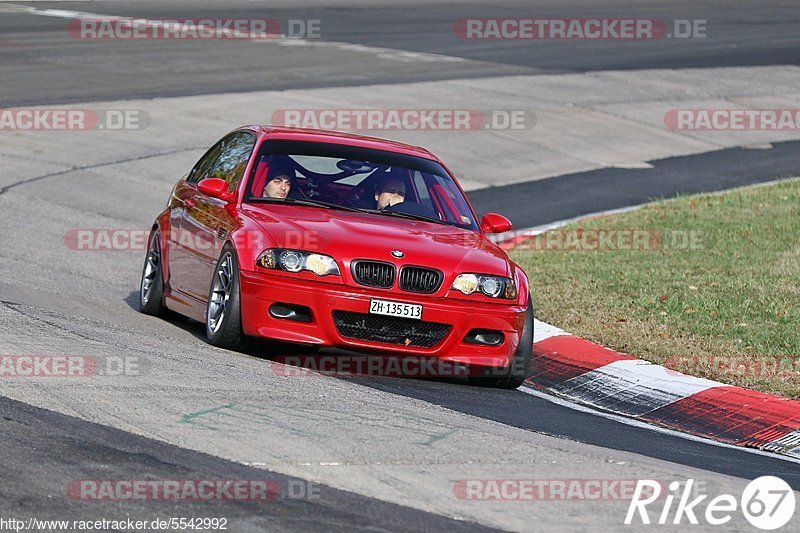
(573, 195)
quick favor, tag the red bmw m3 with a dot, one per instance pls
(337, 240)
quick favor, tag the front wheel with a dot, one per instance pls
(223, 315)
(515, 374)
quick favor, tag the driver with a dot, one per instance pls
(279, 182)
(391, 192)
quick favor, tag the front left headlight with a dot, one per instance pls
(297, 260)
(491, 286)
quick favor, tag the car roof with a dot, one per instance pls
(339, 137)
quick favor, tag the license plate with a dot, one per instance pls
(382, 307)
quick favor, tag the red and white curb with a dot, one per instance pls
(589, 374)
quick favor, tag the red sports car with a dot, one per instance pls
(338, 240)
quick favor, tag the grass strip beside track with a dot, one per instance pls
(708, 285)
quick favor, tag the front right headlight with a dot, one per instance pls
(491, 286)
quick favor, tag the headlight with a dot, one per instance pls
(491, 286)
(466, 283)
(297, 260)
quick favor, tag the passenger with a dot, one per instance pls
(391, 192)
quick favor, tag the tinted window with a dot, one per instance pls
(206, 162)
(227, 160)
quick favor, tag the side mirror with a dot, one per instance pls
(494, 223)
(216, 188)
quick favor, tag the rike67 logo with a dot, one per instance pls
(767, 503)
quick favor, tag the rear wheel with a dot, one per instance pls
(515, 374)
(223, 315)
(151, 288)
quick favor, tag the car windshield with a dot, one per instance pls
(372, 181)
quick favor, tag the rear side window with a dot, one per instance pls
(226, 160)
(206, 163)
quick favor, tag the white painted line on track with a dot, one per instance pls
(379, 52)
(643, 425)
(384, 53)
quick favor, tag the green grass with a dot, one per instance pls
(732, 297)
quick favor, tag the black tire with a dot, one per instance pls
(515, 374)
(151, 286)
(225, 330)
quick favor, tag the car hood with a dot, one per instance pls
(349, 235)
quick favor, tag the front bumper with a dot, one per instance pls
(260, 290)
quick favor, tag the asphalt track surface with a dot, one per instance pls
(42, 449)
(41, 64)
